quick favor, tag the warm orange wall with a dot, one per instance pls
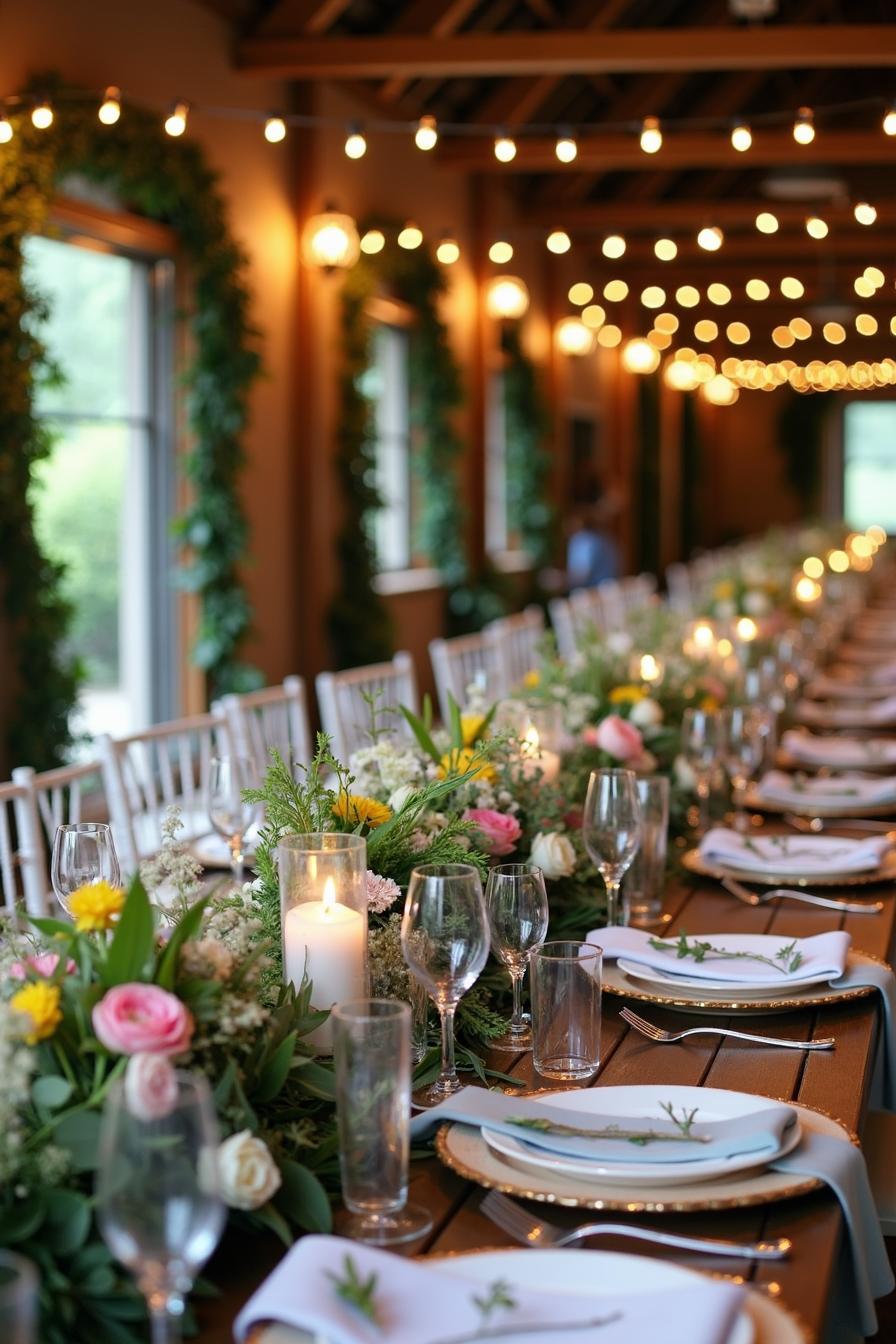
(745, 488)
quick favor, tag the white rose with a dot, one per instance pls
(553, 854)
(756, 603)
(398, 799)
(684, 775)
(646, 714)
(619, 642)
(247, 1174)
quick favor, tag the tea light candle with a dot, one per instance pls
(537, 760)
(327, 941)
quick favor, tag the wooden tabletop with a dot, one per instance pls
(836, 1082)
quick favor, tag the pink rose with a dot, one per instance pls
(150, 1087)
(498, 832)
(619, 738)
(44, 965)
(142, 1019)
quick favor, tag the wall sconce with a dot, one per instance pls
(506, 296)
(573, 337)
(330, 241)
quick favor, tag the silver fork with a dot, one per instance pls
(655, 1033)
(815, 825)
(531, 1231)
(749, 897)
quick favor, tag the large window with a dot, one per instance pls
(385, 383)
(869, 463)
(497, 522)
(102, 499)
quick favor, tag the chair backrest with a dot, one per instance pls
(516, 641)
(59, 797)
(23, 869)
(275, 718)
(638, 591)
(343, 701)
(612, 602)
(587, 615)
(146, 773)
(457, 664)
(564, 627)
(678, 586)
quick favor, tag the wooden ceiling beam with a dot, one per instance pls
(300, 16)
(670, 217)
(432, 16)
(582, 52)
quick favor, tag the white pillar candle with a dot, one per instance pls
(537, 760)
(327, 941)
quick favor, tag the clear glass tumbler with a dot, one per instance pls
(18, 1299)
(566, 993)
(372, 1058)
(643, 884)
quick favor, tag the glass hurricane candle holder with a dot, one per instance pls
(648, 669)
(323, 918)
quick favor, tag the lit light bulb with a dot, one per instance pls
(176, 121)
(613, 246)
(580, 293)
(706, 330)
(330, 240)
(410, 237)
(558, 242)
(864, 213)
(42, 116)
(448, 252)
(757, 290)
(720, 391)
(373, 241)
(666, 322)
(654, 296)
(738, 333)
(110, 107)
(813, 566)
(6, 131)
(639, 356)
(746, 629)
(594, 316)
(500, 252)
(506, 297)
(566, 148)
(838, 561)
(665, 249)
(609, 336)
(651, 135)
(816, 228)
(792, 288)
(426, 136)
(766, 222)
(573, 337)
(804, 126)
(274, 129)
(806, 589)
(874, 275)
(505, 149)
(800, 327)
(866, 324)
(889, 121)
(679, 374)
(718, 294)
(687, 295)
(355, 143)
(833, 333)
(741, 137)
(615, 291)
(710, 238)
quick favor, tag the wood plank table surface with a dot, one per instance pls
(837, 1082)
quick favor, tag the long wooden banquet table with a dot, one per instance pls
(836, 1082)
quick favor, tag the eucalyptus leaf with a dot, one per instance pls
(303, 1199)
(50, 1091)
(67, 1224)
(79, 1133)
(275, 1071)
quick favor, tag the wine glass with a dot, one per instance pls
(703, 746)
(611, 829)
(516, 904)
(744, 746)
(230, 815)
(444, 938)
(19, 1290)
(158, 1203)
(83, 853)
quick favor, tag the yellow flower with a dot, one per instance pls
(39, 1002)
(459, 760)
(532, 679)
(724, 589)
(471, 726)
(357, 810)
(95, 906)
(710, 704)
(628, 694)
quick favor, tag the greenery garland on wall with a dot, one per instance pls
(526, 423)
(170, 182)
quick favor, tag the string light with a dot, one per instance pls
(783, 336)
(757, 290)
(738, 333)
(687, 296)
(374, 241)
(874, 275)
(833, 333)
(889, 121)
(581, 293)
(609, 336)
(666, 322)
(706, 330)
(176, 121)
(613, 246)
(792, 288)
(653, 296)
(594, 316)
(665, 249)
(558, 242)
(615, 291)
(500, 252)
(720, 391)
(410, 237)
(866, 325)
(766, 222)
(651, 135)
(426, 136)
(863, 287)
(816, 228)
(42, 115)
(639, 356)
(660, 339)
(110, 107)
(275, 131)
(573, 337)
(6, 131)
(801, 329)
(718, 294)
(679, 374)
(355, 143)
(447, 252)
(506, 297)
(864, 213)
(804, 126)
(741, 137)
(566, 148)
(505, 148)
(331, 241)
(710, 238)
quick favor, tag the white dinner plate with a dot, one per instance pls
(213, 852)
(643, 1102)
(760, 989)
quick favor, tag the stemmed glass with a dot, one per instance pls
(83, 854)
(703, 746)
(611, 829)
(444, 938)
(744, 746)
(517, 907)
(157, 1198)
(229, 814)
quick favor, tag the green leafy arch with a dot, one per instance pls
(171, 182)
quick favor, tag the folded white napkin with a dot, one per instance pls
(848, 789)
(843, 753)
(850, 688)
(876, 712)
(868, 655)
(417, 1304)
(792, 855)
(823, 954)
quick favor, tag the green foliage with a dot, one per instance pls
(527, 424)
(170, 182)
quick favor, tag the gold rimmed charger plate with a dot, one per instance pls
(463, 1149)
(818, 807)
(786, 761)
(615, 981)
(886, 872)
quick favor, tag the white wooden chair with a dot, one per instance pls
(275, 718)
(587, 614)
(638, 591)
(146, 773)
(678, 587)
(23, 869)
(343, 701)
(59, 797)
(517, 644)
(457, 664)
(564, 627)
(612, 603)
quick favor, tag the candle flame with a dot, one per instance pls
(747, 629)
(531, 743)
(649, 668)
(328, 900)
(703, 636)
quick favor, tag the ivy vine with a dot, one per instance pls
(526, 420)
(170, 182)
